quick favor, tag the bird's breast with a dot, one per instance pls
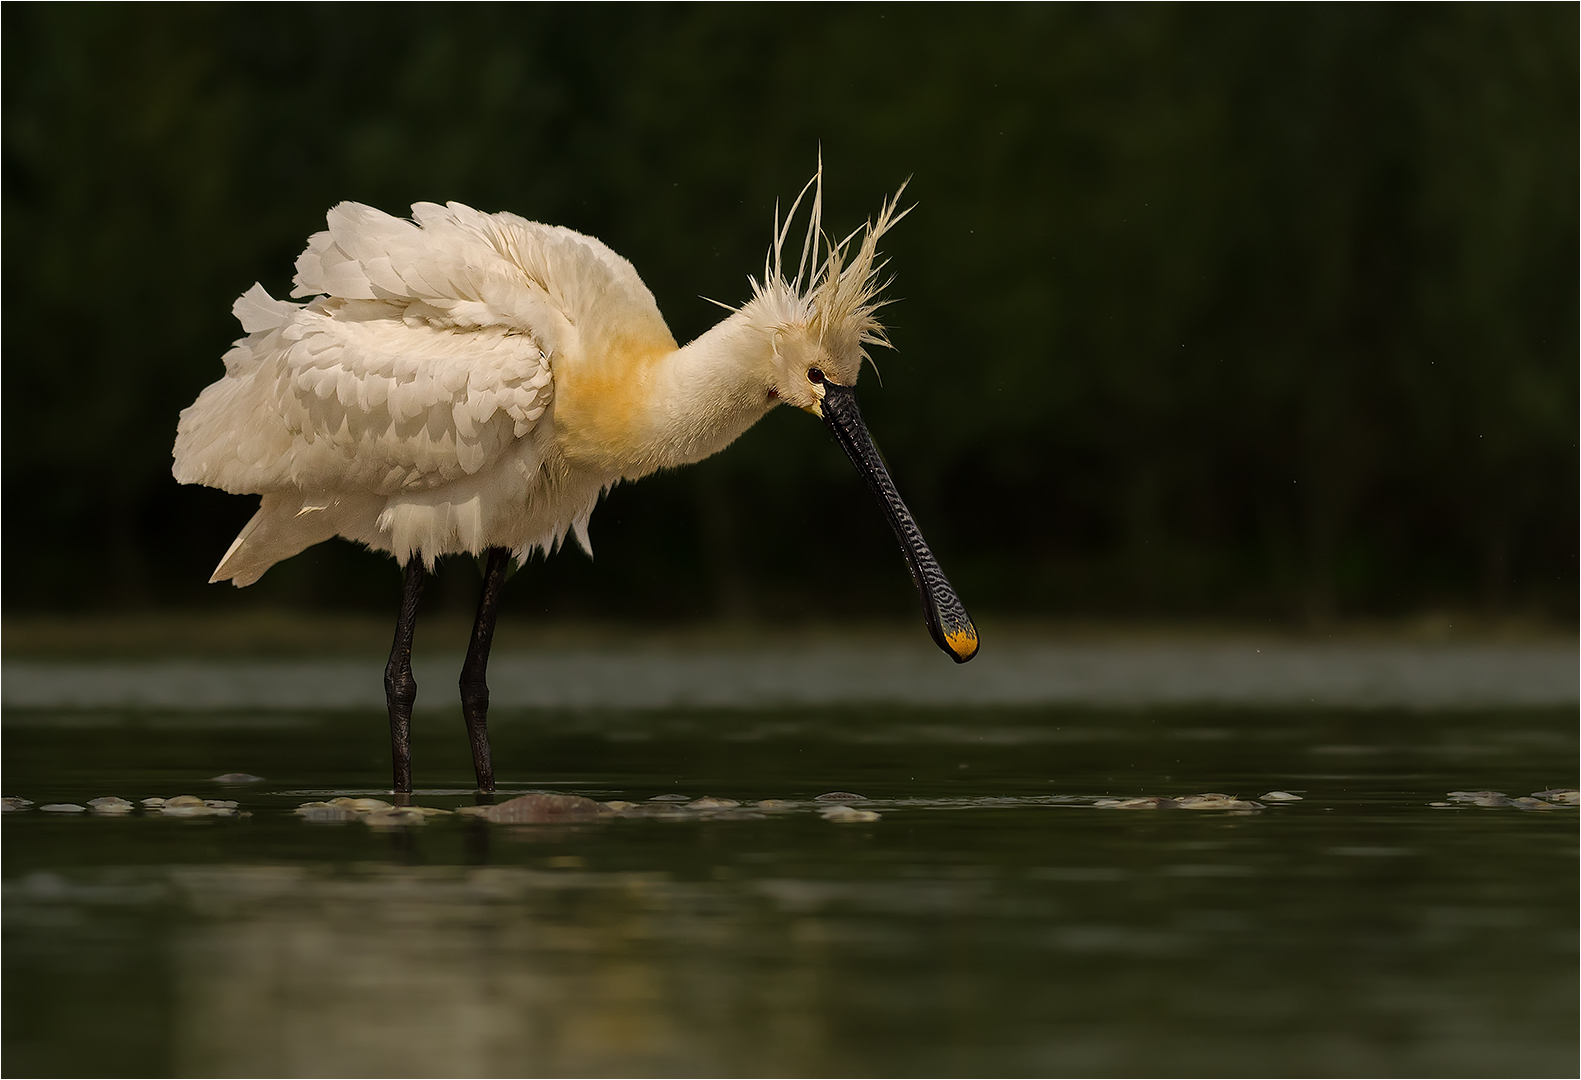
(603, 405)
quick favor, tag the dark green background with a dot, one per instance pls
(1250, 312)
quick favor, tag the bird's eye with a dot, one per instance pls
(814, 375)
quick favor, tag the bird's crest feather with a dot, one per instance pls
(836, 297)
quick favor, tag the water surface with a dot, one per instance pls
(991, 920)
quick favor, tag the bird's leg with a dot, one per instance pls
(474, 673)
(400, 687)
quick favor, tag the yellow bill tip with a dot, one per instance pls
(962, 643)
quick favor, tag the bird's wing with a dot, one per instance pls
(353, 396)
(428, 353)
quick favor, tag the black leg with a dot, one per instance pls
(400, 688)
(475, 672)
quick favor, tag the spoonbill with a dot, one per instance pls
(472, 382)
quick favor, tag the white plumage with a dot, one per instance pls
(405, 408)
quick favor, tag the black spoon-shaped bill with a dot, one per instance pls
(948, 622)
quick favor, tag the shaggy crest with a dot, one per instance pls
(837, 297)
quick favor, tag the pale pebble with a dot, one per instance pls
(1480, 798)
(541, 808)
(63, 808)
(325, 814)
(398, 815)
(1281, 796)
(775, 804)
(708, 802)
(845, 814)
(363, 806)
(1213, 800)
(110, 804)
(620, 804)
(196, 811)
(184, 800)
(11, 802)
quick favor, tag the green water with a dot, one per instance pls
(991, 921)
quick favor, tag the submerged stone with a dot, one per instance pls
(11, 802)
(1214, 800)
(183, 800)
(708, 802)
(666, 810)
(532, 809)
(396, 816)
(1560, 796)
(153, 803)
(1480, 798)
(620, 804)
(1209, 800)
(775, 804)
(839, 796)
(1281, 796)
(1145, 802)
(236, 778)
(846, 814)
(671, 798)
(323, 813)
(63, 808)
(199, 810)
(110, 804)
(362, 806)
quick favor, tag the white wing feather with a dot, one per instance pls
(345, 395)
(426, 361)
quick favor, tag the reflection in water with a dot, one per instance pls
(492, 971)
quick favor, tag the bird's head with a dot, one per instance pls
(821, 321)
(804, 367)
(820, 324)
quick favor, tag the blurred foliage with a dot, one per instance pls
(1258, 312)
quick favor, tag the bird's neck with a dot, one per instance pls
(668, 408)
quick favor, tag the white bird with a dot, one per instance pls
(471, 382)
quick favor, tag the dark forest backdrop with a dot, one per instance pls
(1244, 312)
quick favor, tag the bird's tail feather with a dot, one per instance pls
(286, 523)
